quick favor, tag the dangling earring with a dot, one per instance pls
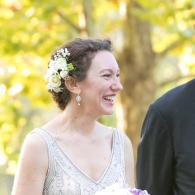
(78, 99)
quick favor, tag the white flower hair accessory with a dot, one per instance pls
(58, 69)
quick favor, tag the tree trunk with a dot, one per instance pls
(137, 62)
(89, 20)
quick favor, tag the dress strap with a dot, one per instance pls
(120, 145)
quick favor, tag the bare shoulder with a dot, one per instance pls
(34, 141)
(33, 145)
(32, 166)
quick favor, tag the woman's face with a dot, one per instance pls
(101, 85)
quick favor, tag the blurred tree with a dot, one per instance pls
(137, 58)
(144, 49)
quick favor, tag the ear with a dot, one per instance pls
(72, 85)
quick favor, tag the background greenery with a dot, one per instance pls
(153, 42)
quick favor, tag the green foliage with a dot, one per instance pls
(23, 97)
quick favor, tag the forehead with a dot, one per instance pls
(103, 60)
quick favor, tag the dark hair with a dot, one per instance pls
(82, 52)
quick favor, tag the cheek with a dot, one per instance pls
(100, 87)
(97, 84)
(94, 93)
(95, 87)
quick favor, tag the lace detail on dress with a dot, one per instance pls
(65, 178)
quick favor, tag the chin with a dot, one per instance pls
(108, 112)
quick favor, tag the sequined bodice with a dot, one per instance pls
(65, 178)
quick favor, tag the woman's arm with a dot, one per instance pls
(129, 162)
(32, 167)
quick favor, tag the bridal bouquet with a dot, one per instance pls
(116, 189)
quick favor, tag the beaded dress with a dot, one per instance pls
(65, 178)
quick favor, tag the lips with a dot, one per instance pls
(109, 98)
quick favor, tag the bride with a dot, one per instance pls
(74, 154)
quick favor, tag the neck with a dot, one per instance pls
(75, 118)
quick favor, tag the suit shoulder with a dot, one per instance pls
(181, 94)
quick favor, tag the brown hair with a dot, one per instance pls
(82, 52)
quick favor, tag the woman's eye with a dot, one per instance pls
(107, 75)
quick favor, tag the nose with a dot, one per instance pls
(116, 85)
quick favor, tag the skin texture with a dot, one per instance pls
(78, 124)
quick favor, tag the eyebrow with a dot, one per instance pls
(108, 69)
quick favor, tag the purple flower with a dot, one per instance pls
(135, 191)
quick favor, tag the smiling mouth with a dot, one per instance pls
(109, 98)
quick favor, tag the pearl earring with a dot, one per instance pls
(78, 99)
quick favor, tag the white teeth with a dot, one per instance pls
(110, 98)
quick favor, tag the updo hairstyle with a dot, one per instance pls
(81, 52)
